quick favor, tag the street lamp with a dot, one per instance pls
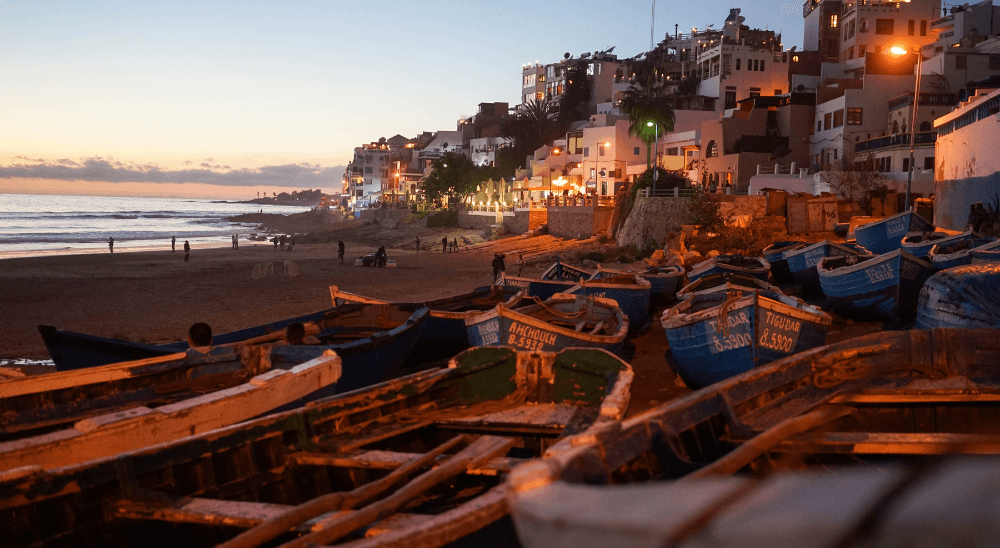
(656, 154)
(896, 50)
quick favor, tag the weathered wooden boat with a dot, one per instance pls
(725, 282)
(415, 461)
(567, 273)
(56, 420)
(957, 253)
(630, 291)
(534, 287)
(802, 261)
(373, 341)
(919, 244)
(774, 254)
(754, 266)
(963, 297)
(561, 321)
(72, 350)
(887, 234)
(663, 281)
(714, 336)
(444, 334)
(879, 285)
(984, 256)
(889, 396)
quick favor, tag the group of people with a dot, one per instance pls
(445, 247)
(236, 241)
(979, 219)
(280, 241)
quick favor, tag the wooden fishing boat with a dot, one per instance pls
(754, 266)
(964, 297)
(72, 350)
(444, 334)
(373, 340)
(714, 336)
(630, 291)
(802, 261)
(887, 234)
(919, 244)
(59, 419)
(567, 273)
(774, 255)
(957, 253)
(561, 321)
(416, 461)
(896, 395)
(534, 287)
(727, 283)
(984, 256)
(884, 285)
(663, 281)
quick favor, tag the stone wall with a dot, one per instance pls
(386, 218)
(537, 218)
(513, 222)
(578, 221)
(654, 218)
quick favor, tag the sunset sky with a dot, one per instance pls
(94, 95)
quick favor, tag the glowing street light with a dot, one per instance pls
(900, 51)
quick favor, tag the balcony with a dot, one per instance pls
(901, 139)
(947, 20)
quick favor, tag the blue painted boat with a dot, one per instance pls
(725, 282)
(802, 261)
(372, 340)
(565, 272)
(919, 244)
(444, 334)
(73, 350)
(774, 254)
(984, 257)
(561, 321)
(631, 292)
(957, 253)
(663, 281)
(542, 289)
(887, 234)
(884, 285)
(715, 336)
(964, 297)
(754, 266)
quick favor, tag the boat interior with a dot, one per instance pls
(580, 313)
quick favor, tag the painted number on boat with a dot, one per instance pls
(780, 332)
(727, 340)
(895, 226)
(879, 273)
(488, 333)
(529, 338)
(813, 257)
(908, 270)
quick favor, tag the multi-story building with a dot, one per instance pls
(874, 27)
(548, 82)
(367, 172)
(822, 29)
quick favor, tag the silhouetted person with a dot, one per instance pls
(295, 333)
(281, 242)
(111, 244)
(274, 241)
(454, 245)
(498, 267)
(444, 244)
(418, 244)
(520, 264)
(291, 243)
(340, 251)
(199, 335)
(173, 244)
(187, 251)
(380, 256)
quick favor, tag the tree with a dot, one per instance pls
(455, 176)
(579, 89)
(530, 126)
(856, 179)
(649, 102)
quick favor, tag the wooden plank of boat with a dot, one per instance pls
(631, 292)
(891, 443)
(963, 296)
(919, 244)
(725, 282)
(753, 266)
(886, 235)
(374, 459)
(949, 255)
(256, 461)
(885, 285)
(802, 261)
(139, 427)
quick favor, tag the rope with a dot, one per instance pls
(559, 314)
(722, 320)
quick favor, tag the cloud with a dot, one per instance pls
(96, 169)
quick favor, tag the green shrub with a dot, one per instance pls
(595, 256)
(703, 210)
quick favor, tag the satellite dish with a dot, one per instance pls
(444, 144)
(800, 88)
(566, 55)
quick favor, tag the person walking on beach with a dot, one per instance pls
(340, 251)
(418, 244)
(274, 241)
(444, 244)
(187, 251)
(520, 264)
(281, 242)
(173, 244)
(380, 257)
(454, 245)
(111, 244)
(498, 267)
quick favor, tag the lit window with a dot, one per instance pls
(713, 150)
(833, 21)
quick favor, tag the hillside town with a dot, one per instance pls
(731, 111)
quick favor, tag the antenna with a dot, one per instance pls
(652, 25)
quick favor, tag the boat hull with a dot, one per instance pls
(887, 234)
(663, 284)
(710, 347)
(916, 245)
(543, 289)
(961, 297)
(885, 286)
(717, 265)
(633, 299)
(802, 262)
(941, 260)
(774, 254)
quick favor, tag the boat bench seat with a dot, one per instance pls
(543, 417)
(390, 460)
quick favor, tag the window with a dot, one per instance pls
(529, 79)
(961, 62)
(850, 29)
(861, 51)
(911, 27)
(819, 125)
(600, 150)
(833, 21)
(777, 92)
(738, 63)
(635, 151)
(713, 150)
(762, 65)
(368, 170)
(923, 27)
(925, 125)
(906, 164)
(994, 62)
(885, 26)
(854, 116)
(730, 99)
(929, 162)
(828, 120)
(586, 152)
(838, 118)
(539, 96)
(754, 92)
(850, 53)
(795, 59)
(749, 64)
(672, 151)
(863, 25)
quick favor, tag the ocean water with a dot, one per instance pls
(33, 225)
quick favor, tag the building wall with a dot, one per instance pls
(818, 34)
(921, 12)
(515, 222)
(578, 222)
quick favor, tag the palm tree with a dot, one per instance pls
(649, 108)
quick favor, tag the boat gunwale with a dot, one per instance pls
(521, 315)
(874, 260)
